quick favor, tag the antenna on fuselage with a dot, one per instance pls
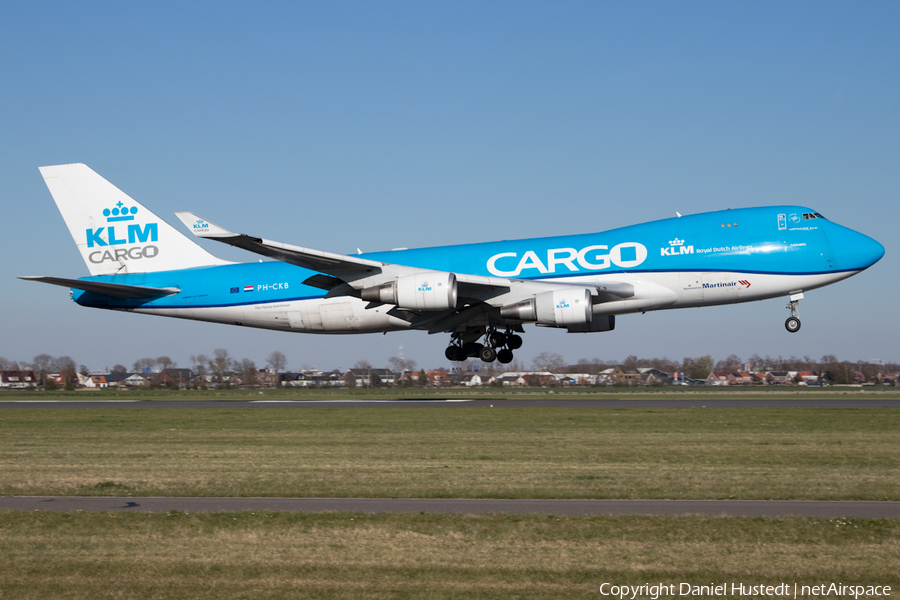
(677, 214)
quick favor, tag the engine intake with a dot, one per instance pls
(564, 307)
(429, 290)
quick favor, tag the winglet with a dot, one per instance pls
(200, 227)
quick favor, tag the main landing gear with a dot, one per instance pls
(793, 323)
(496, 346)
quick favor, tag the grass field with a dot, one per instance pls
(344, 555)
(453, 452)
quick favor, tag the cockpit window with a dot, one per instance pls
(813, 215)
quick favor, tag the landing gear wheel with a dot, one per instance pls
(505, 356)
(487, 354)
(471, 349)
(497, 339)
(454, 353)
(792, 324)
(514, 341)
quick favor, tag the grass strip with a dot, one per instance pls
(350, 555)
(759, 453)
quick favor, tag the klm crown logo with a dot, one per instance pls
(119, 213)
(676, 242)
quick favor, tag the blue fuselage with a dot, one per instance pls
(783, 241)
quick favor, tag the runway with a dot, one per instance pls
(511, 402)
(734, 508)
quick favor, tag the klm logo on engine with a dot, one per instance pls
(626, 255)
(133, 233)
(676, 248)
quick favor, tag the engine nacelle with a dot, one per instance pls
(429, 290)
(598, 323)
(562, 307)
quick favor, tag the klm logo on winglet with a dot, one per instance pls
(200, 225)
(134, 233)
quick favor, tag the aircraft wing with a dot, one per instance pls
(388, 283)
(314, 260)
(116, 290)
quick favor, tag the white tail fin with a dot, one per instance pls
(115, 233)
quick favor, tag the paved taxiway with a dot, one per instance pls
(512, 402)
(737, 508)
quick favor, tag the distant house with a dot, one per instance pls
(611, 376)
(438, 377)
(56, 378)
(96, 382)
(173, 377)
(780, 377)
(370, 376)
(740, 379)
(509, 379)
(16, 380)
(470, 379)
(652, 376)
(409, 377)
(717, 378)
(267, 377)
(806, 377)
(579, 379)
(297, 380)
(126, 379)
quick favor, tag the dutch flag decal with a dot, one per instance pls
(248, 288)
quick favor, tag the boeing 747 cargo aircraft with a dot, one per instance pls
(480, 294)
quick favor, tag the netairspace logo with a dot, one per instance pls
(732, 590)
(134, 234)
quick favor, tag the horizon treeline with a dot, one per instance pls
(221, 362)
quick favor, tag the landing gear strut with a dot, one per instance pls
(497, 345)
(793, 323)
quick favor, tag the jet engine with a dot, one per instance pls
(562, 307)
(428, 290)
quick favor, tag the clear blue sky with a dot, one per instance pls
(345, 125)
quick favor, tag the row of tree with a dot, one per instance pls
(221, 363)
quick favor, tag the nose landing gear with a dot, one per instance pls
(793, 323)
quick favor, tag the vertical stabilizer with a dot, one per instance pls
(115, 233)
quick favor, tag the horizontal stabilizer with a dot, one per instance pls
(116, 290)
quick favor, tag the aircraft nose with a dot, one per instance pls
(858, 251)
